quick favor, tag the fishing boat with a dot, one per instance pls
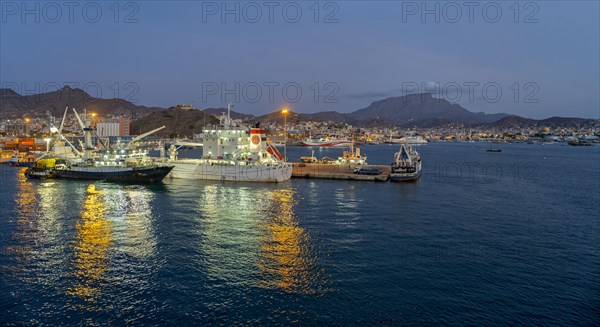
(119, 165)
(406, 166)
(231, 152)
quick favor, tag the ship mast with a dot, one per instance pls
(87, 132)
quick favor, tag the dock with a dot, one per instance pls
(336, 171)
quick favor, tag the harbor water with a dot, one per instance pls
(510, 238)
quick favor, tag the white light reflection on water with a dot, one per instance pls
(251, 237)
(38, 244)
(129, 210)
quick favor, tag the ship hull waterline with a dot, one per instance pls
(230, 173)
(405, 177)
(141, 175)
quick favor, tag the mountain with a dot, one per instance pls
(520, 122)
(293, 117)
(412, 108)
(14, 105)
(178, 122)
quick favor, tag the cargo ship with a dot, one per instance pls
(230, 152)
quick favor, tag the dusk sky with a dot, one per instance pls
(542, 56)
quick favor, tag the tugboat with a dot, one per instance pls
(406, 166)
(43, 168)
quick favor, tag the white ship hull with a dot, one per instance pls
(203, 170)
(337, 144)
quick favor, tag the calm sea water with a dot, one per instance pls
(509, 238)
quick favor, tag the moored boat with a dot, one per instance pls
(406, 166)
(20, 160)
(352, 157)
(92, 171)
(406, 140)
(231, 152)
(119, 165)
(42, 169)
(326, 142)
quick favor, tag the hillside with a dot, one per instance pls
(234, 114)
(520, 122)
(179, 123)
(14, 105)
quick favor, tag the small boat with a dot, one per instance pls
(492, 149)
(352, 157)
(16, 160)
(39, 173)
(43, 168)
(580, 143)
(311, 159)
(406, 166)
(367, 171)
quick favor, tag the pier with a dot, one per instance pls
(335, 171)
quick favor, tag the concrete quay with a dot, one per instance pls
(335, 171)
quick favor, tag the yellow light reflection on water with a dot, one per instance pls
(93, 240)
(286, 261)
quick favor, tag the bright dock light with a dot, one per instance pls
(284, 111)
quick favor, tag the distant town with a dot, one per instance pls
(28, 134)
(26, 122)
